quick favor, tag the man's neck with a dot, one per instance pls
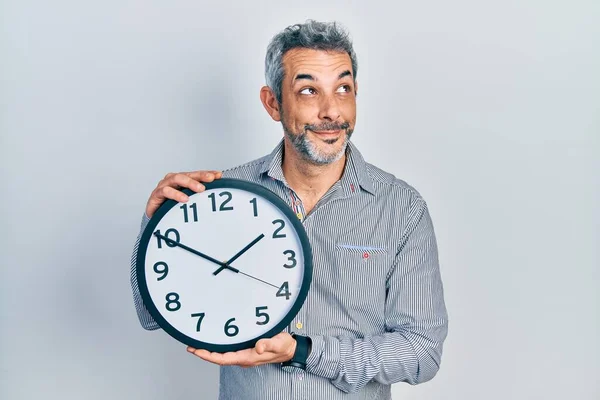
(307, 179)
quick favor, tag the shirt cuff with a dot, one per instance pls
(324, 357)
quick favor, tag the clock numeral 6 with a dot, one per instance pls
(230, 329)
(173, 303)
(276, 234)
(292, 258)
(163, 271)
(200, 318)
(222, 207)
(284, 291)
(262, 314)
(171, 241)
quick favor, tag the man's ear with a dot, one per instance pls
(355, 88)
(269, 100)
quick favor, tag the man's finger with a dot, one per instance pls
(183, 180)
(168, 192)
(204, 176)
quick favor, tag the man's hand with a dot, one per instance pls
(168, 187)
(278, 349)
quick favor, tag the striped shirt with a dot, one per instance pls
(375, 311)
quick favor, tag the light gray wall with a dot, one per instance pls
(490, 109)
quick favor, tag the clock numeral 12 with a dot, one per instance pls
(172, 298)
(222, 207)
(230, 329)
(200, 318)
(170, 241)
(262, 314)
(184, 207)
(284, 291)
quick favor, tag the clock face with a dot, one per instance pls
(228, 267)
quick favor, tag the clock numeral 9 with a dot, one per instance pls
(172, 298)
(284, 291)
(262, 314)
(164, 271)
(200, 318)
(276, 234)
(193, 207)
(292, 258)
(171, 241)
(222, 207)
(230, 329)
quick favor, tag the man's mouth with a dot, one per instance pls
(327, 132)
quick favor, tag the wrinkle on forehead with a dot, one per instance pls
(310, 61)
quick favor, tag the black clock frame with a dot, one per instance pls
(217, 184)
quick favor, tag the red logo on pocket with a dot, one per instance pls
(365, 255)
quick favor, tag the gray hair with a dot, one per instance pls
(310, 35)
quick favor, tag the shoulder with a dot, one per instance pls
(248, 170)
(387, 184)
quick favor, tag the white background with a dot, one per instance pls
(490, 109)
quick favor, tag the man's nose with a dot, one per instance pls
(329, 108)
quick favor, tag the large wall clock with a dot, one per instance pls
(231, 265)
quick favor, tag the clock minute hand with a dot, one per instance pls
(206, 257)
(239, 253)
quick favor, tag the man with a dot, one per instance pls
(375, 313)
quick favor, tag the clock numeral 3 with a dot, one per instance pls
(284, 291)
(262, 314)
(292, 258)
(163, 271)
(222, 207)
(230, 329)
(276, 234)
(200, 318)
(173, 303)
(171, 240)
(193, 207)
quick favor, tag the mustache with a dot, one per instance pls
(327, 126)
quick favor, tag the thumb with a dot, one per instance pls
(263, 345)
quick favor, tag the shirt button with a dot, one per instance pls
(299, 215)
(299, 325)
(300, 376)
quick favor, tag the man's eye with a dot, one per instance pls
(344, 88)
(308, 91)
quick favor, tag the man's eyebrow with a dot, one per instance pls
(304, 76)
(311, 78)
(344, 74)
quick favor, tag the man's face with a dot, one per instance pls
(318, 110)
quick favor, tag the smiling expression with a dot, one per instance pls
(318, 110)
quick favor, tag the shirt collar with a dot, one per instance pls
(355, 173)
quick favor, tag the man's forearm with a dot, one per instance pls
(350, 363)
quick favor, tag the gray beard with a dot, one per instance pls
(309, 152)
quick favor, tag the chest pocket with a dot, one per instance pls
(362, 271)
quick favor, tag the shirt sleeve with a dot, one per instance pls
(144, 316)
(415, 318)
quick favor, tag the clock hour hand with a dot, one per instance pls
(196, 252)
(239, 253)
